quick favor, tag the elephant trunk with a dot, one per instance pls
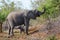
(44, 10)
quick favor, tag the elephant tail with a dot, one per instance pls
(7, 24)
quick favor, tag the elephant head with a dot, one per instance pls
(38, 13)
(32, 14)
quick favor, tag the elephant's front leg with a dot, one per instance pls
(27, 29)
(26, 25)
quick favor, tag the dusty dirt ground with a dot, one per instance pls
(37, 32)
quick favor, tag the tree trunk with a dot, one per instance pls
(0, 27)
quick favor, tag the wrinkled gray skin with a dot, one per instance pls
(21, 18)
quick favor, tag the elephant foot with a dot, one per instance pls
(27, 34)
(9, 36)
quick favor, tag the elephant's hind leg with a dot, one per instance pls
(11, 27)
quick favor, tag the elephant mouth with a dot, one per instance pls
(34, 18)
(38, 15)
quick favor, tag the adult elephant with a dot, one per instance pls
(21, 17)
